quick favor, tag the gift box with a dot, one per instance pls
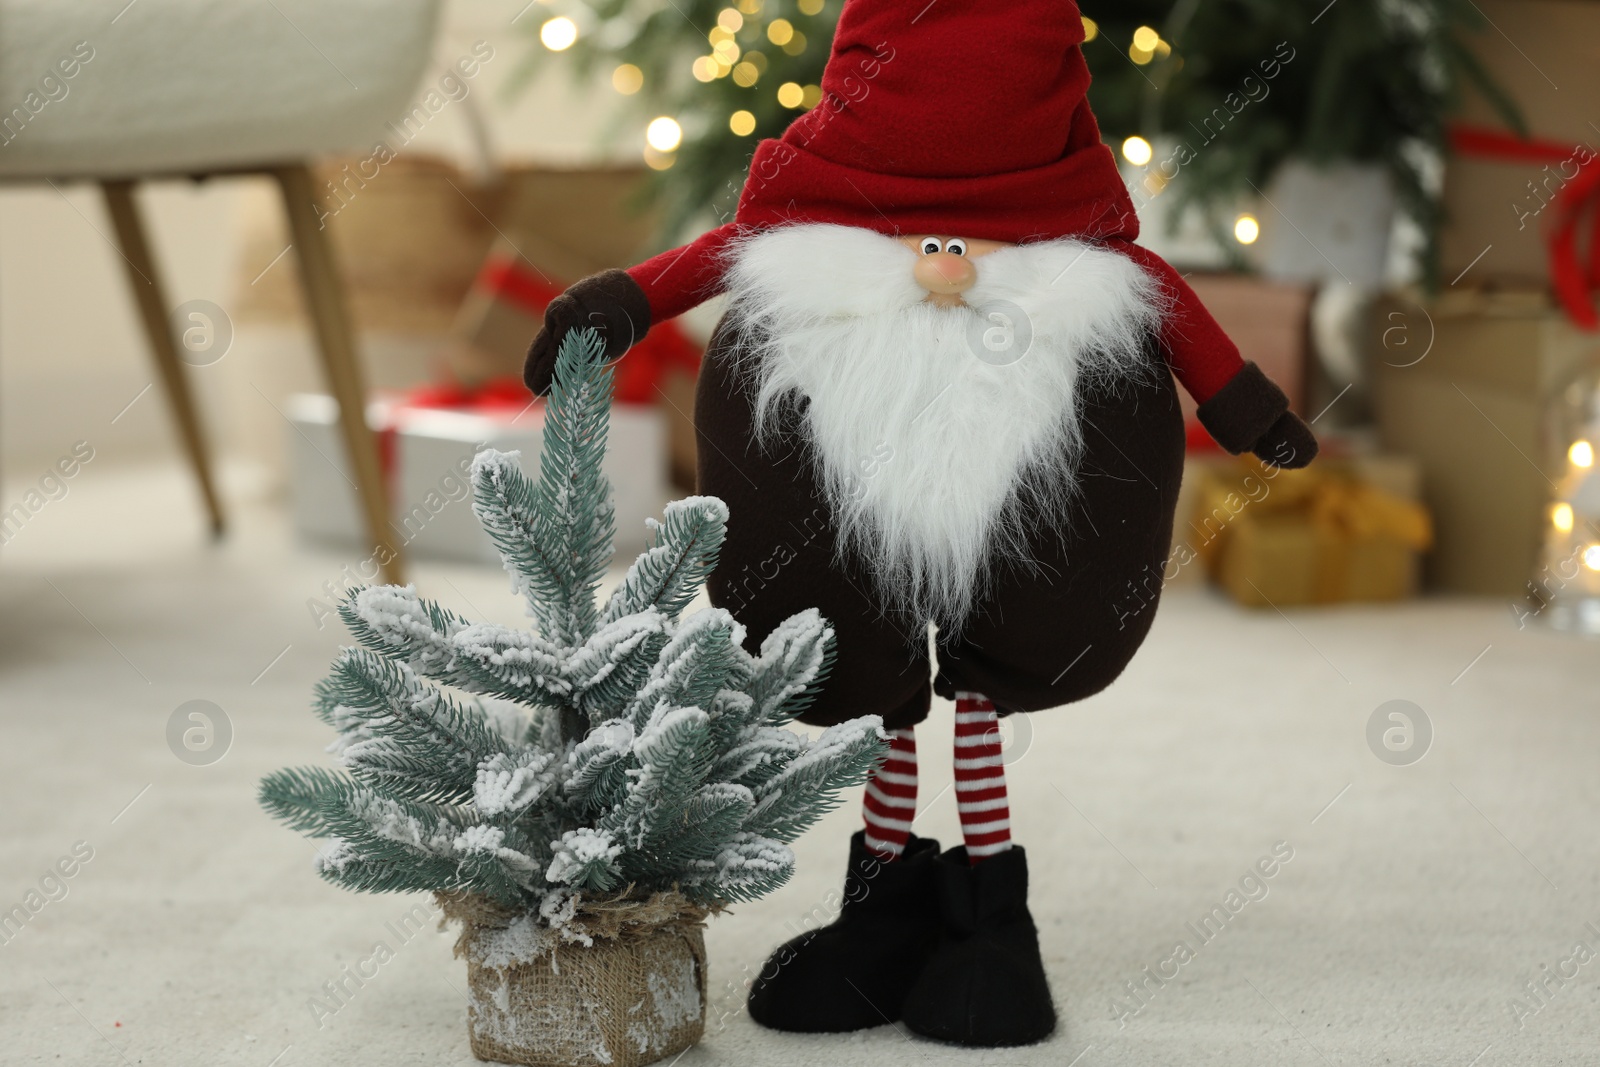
(1503, 196)
(410, 242)
(1342, 530)
(427, 440)
(446, 276)
(1470, 394)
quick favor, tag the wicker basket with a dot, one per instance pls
(635, 994)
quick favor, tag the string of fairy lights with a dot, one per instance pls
(738, 47)
(1147, 47)
(724, 72)
(1580, 459)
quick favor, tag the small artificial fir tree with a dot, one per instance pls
(622, 748)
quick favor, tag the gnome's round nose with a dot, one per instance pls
(944, 273)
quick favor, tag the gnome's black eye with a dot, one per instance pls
(956, 246)
(930, 245)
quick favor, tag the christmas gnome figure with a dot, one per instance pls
(940, 395)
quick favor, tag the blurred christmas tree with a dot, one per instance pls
(710, 77)
(1363, 81)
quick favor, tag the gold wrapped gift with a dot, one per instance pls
(1323, 535)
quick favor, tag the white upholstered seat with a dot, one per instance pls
(165, 86)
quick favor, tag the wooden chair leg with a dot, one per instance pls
(145, 282)
(319, 277)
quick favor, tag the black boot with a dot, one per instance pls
(985, 985)
(854, 972)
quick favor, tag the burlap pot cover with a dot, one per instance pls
(635, 994)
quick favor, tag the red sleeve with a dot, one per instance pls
(685, 277)
(1200, 353)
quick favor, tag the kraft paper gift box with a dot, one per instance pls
(1508, 334)
(1497, 201)
(427, 453)
(1470, 396)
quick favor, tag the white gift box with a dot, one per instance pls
(1328, 224)
(427, 453)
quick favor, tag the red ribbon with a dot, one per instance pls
(1574, 282)
(508, 279)
(506, 397)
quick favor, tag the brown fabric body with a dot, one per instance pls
(1051, 630)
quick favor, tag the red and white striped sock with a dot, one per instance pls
(891, 800)
(980, 778)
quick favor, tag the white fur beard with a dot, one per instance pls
(935, 462)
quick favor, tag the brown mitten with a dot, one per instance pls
(1287, 443)
(610, 301)
(1251, 414)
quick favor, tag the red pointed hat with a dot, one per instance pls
(959, 116)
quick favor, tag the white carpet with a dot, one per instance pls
(1418, 900)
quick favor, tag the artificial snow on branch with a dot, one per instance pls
(611, 746)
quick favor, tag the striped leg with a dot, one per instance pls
(892, 797)
(980, 778)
